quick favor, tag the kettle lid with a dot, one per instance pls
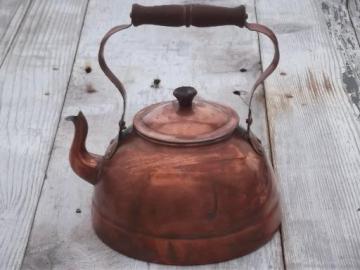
(186, 121)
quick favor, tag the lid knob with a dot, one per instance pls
(185, 95)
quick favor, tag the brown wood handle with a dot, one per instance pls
(186, 15)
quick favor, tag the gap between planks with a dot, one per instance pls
(268, 132)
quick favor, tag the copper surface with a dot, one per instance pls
(158, 201)
(182, 205)
(83, 163)
(203, 122)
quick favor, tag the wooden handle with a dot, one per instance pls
(186, 15)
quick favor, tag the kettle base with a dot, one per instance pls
(175, 251)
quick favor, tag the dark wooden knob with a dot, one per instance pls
(185, 95)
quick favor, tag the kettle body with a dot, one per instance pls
(183, 205)
(185, 184)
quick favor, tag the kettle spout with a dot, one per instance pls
(84, 164)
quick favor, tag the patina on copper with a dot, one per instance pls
(185, 184)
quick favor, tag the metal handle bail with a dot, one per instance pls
(185, 101)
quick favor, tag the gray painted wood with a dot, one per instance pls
(12, 13)
(33, 81)
(314, 130)
(209, 59)
(342, 20)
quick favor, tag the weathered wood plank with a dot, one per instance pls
(342, 21)
(33, 82)
(209, 59)
(353, 9)
(12, 13)
(314, 133)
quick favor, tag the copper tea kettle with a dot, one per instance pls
(185, 184)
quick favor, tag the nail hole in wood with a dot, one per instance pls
(282, 73)
(236, 92)
(243, 70)
(88, 69)
(239, 92)
(78, 211)
(156, 83)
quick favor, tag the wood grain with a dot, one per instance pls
(342, 21)
(314, 132)
(208, 59)
(12, 13)
(33, 81)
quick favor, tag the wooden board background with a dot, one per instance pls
(33, 82)
(311, 106)
(314, 132)
(12, 14)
